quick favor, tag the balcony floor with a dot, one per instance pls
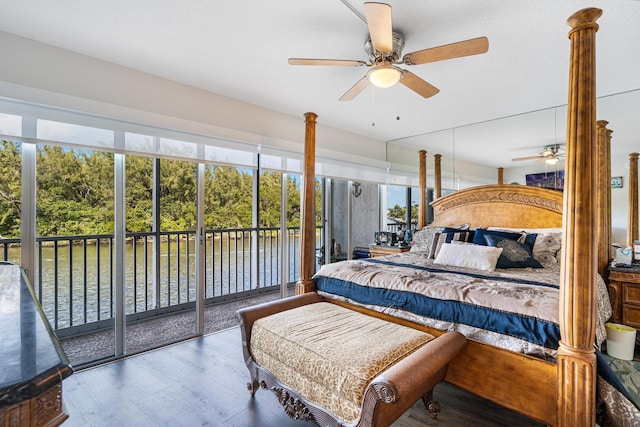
(94, 347)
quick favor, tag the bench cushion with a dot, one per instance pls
(329, 354)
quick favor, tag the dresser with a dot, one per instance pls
(382, 250)
(624, 291)
(32, 363)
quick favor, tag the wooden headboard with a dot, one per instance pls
(500, 205)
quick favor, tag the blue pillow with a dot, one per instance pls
(514, 254)
(480, 233)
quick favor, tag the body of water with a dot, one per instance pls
(75, 283)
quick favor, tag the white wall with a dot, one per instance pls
(619, 196)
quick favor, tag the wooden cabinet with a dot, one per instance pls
(624, 291)
(382, 250)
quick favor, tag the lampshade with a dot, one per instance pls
(551, 160)
(385, 76)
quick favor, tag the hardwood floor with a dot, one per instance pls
(202, 382)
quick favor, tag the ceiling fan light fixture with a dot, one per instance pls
(552, 160)
(384, 76)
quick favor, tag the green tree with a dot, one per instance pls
(177, 195)
(397, 212)
(269, 203)
(228, 194)
(10, 189)
(74, 192)
(318, 197)
(293, 202)
(139, 193)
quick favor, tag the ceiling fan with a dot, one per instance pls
(550, 154)
(384, 49)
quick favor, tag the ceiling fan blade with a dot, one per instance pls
(449, 51)
(418, 85)
(380, 27)
(519, 159)
(355, 89)
(338, 62)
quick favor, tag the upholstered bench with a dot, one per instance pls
(337, 366)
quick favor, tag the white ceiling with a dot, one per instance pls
(240, 49)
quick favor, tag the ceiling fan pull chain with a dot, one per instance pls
(397, 102)
(373, 106)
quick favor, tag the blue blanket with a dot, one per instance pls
(500, 320)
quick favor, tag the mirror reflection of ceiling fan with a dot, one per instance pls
(551, 155)
(384, 49)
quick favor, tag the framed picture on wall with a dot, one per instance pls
(553, 180)
(616, 182)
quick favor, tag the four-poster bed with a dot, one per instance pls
(556, 383)
(561, 393)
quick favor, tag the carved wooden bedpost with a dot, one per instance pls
(576, 356)
(632, 226)
(604, 195)
(437, 186)
(422, 198)
(500, 176)
(307, 225)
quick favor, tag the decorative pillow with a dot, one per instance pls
(459, 234)
(448, 235)
(423, 239)
(514, 254)
(470, 256)
(547, 245)
(547, 248)
(522, 237)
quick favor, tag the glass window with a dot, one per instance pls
(75, 134)
(74, 228)
(228, 218)
(396, 207)
(10, 124)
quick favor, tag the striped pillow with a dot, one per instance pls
(448, 235)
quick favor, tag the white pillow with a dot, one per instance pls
(470, 256)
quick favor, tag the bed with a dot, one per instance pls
(485, 292)
(553, 381)
(509, 315)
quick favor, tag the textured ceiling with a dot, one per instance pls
(240, 49)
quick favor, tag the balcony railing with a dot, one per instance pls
(74, 277)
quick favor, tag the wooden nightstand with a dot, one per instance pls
(624, 291)
(382, 250)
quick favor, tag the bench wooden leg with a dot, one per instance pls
(433, 406)
(254, 384)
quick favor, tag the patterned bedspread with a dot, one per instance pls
(515, 309)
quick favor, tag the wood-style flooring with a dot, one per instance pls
(202, 382)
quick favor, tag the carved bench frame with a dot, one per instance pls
(386, 398)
